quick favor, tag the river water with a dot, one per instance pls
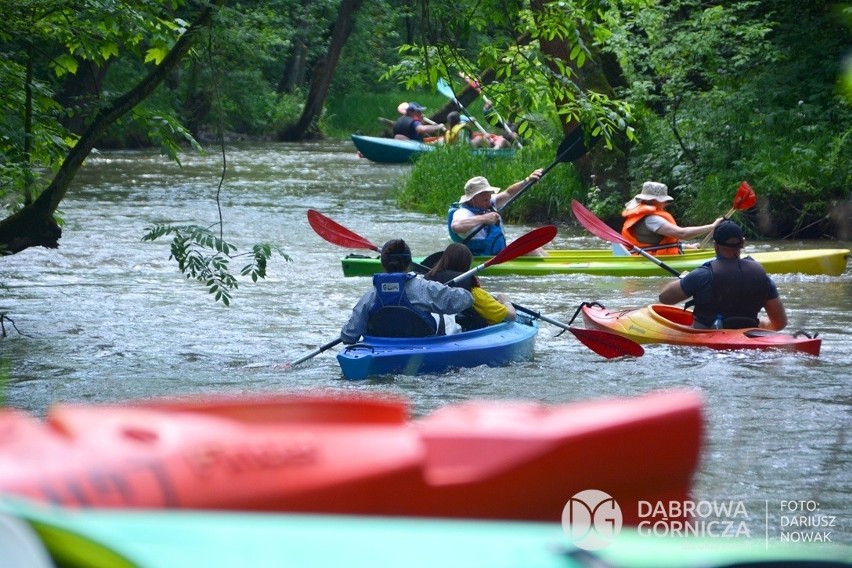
(108, 318)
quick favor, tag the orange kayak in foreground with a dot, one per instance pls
(336, 454)
(660, 323)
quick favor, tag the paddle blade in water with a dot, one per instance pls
(606, 344)
(524, 244)
(745, 198)
(597, 227)
(337, 234)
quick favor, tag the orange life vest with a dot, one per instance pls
(636, 214)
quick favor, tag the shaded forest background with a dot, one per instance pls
(699, 95)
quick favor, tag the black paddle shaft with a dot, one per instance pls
(572, 148)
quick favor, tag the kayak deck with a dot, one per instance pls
(349, 454)
(659, 323)
(494, 345)
(602, 262)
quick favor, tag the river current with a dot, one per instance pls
(108, 318)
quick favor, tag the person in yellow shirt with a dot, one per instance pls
(488, 309)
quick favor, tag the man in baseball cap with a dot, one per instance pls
(729, 292)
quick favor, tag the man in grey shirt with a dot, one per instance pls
(401, 304)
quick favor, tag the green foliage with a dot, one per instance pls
(530, 83)
(205, 257)
(438, 180)
(739, 91)
(58, 39)
(359, 111)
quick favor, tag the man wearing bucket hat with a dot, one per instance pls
(410, 125)
(649, 226)
(479, 207)
(728, 291)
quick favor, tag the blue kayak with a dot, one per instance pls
(494, 345)
(393, 151)
(389, 150)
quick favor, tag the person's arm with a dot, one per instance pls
(501, 198)
(672, 293)
(430, 129)
(490, 308)
(511, 314)
(669, 230)
(357, 324)
(442, 299)
(776, 313)
(463, 223)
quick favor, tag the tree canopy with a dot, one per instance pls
(697, 94)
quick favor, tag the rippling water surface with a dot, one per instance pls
(107, 317)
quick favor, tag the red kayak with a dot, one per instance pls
(334, 454)
(660, 323)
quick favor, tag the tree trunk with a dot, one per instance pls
(34, 225)
(322, 75)
(608, 167)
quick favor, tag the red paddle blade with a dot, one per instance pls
(597, 227)
(606, 344)
(525, 243)
(337, 234)
(745, 197)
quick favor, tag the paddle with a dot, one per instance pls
(314, 353)
(607, 233)
(336, 233)
(527, 242)
(403, 108)
(571, 148)
(520, 246)
(604, 343)
(445, 89)
(744, 199)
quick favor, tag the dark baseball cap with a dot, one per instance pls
(416, 107)
(729, 234)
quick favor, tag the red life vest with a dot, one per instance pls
(636, 214)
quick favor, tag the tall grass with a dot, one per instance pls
(439, 177)
(361, 112)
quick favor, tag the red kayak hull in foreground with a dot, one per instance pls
(330, 454)
(660, 323)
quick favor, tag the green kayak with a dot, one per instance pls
(602, 262)
(89, 538)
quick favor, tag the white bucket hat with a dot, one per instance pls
(474, 187)
(651, 191)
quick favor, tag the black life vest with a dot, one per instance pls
(405, 126)
(740, 289)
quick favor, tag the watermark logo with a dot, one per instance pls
(591, 519)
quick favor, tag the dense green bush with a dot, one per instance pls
(438, 179)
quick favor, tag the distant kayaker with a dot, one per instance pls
(411, 126)
(400, 303)
(729, 291)
(649, 226)
(478, 207)
(457, 129)
(488, 309)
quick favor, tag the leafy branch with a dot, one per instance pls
(205, 257)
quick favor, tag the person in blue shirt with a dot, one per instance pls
(728, 292)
